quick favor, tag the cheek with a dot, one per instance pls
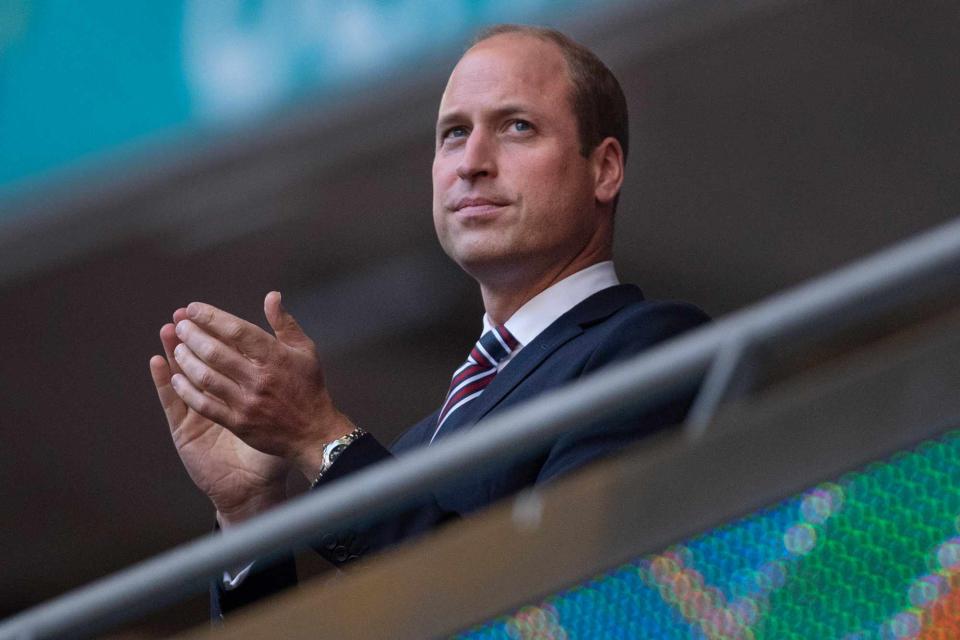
(438, 222)
(444, 166)
(564, 199)
(438, 193)
(438, 173)
(554, 187)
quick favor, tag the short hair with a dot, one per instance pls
(597, 99)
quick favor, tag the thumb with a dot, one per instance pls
(283, 324)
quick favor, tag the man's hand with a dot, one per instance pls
(267, 390)
(238, 479)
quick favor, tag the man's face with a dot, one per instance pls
(512, 195)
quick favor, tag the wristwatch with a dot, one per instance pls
(332, 451)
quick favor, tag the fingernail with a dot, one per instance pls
(178, 352)
(193, 310)
(181, 327)
(175, 380)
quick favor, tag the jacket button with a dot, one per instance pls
(329, 542)
(340, 553)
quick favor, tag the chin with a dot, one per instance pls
(489, 266)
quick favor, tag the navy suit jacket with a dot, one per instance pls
(610, 325)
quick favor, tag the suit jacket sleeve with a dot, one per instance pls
(341, 547)
(345, 546)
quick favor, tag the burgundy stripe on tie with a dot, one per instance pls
(477, 372)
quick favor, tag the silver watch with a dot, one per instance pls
(333, 449)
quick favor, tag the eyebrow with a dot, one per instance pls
(456, 117)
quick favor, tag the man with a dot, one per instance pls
(530, 146)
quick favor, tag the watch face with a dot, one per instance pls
(331, 452)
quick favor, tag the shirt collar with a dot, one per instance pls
(544, 308)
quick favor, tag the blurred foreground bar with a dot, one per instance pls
(847, 553)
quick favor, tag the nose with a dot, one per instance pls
(479, 157)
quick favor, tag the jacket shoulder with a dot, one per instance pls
(640, 325)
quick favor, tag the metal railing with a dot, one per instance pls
(887, 280)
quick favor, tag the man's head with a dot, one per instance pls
(531, 139)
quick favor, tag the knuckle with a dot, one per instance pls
(246, 406)
(211, 353)
(235, 331)
(247, 409)
(205, 379)
(205, 313)
(262, 384)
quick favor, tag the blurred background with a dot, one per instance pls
(157, 153)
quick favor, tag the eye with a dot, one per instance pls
(454, 132)
(521, 126)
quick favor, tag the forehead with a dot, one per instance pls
(507, 68)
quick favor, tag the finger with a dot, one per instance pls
(252, 341)
(173, 407)
(225, 359)
(286, 328)
(204, 377)
(168, 336)
(204, 404)
(179, 314)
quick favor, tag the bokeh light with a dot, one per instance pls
(874, 555)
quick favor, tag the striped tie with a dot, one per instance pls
(477, 372)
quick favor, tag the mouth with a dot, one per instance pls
(477, 206)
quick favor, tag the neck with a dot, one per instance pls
(502, 297)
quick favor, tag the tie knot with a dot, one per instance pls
(493, 346)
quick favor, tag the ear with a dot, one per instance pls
(607, 160)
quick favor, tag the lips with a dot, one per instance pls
(478, 204)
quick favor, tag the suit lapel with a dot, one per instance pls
(597, 307)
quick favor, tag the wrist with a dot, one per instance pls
(253, 506)
(309, 457)
(317, 458)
